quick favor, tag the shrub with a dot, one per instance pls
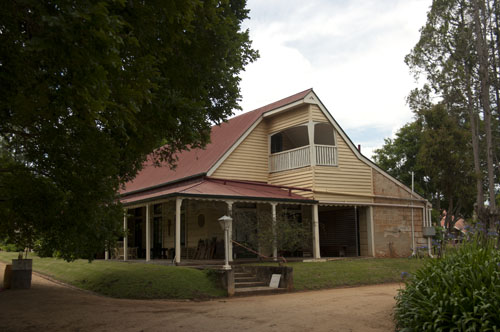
(460, 292)
(9, 247)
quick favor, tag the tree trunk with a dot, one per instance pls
(475, 142)
(482, 52)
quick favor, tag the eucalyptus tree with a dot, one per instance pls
(458, 55)
(436, 148)
(88, 89)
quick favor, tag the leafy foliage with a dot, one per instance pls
(458, 54)
(445, 156)
(398, 157)
(289, 231)
(437, 148)
(460, 292)
(88, 89)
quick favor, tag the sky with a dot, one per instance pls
(351, 52)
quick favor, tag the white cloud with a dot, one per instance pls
(351, 53)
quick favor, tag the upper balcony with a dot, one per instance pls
(291, 147)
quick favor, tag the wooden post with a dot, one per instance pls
(370, 231)
(312, 146)
(315, 222)
(125, 236)
(230, 244)
(148, 234)
(275, 239)
(106, 253)
(178, 204)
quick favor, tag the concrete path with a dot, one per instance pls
(52, 307)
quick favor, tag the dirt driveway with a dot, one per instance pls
(52, 307)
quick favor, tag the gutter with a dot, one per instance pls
(371, 196)
(191, 177)
(161, 198)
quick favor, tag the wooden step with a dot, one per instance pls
(242, 274)
(246, 291)
(248, 284)
(243, 279)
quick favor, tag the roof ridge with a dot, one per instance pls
(267, 105)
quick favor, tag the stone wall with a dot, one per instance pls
(393, 224)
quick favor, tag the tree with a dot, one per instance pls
(398, 157)
(88, 89)
(459, 55)
(289, 231)
(444, 155)
(436, 148)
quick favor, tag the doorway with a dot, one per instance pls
(339, 231)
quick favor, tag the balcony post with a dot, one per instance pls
(312, 147)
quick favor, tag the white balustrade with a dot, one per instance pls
(326, 155)
(289, 159)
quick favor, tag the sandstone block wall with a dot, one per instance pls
(392, 225)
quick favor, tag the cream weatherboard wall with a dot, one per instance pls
(249, 161)
(300, 178)
(352, 176)
(350, 181)
(317, 115)
(288, 119)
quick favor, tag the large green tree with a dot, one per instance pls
(88, 89)
(398, 157)
(459, 55)
(436, 148)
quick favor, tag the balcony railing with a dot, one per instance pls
(326, 155)
(290, 159)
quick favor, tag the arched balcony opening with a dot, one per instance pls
(290, 149)
(325, 144)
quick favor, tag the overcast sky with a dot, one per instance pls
(350, 52)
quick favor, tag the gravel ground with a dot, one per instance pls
(50, 306)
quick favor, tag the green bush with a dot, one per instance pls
(460, 292)
(9, 247)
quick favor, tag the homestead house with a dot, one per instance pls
(287, 158)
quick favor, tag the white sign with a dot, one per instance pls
(275, 281)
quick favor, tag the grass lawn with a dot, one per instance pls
(128, 280)
(149, 281)
(350, 272)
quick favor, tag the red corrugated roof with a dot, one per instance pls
(199, 161)
(218, 188)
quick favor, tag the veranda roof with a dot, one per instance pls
(205, 187)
